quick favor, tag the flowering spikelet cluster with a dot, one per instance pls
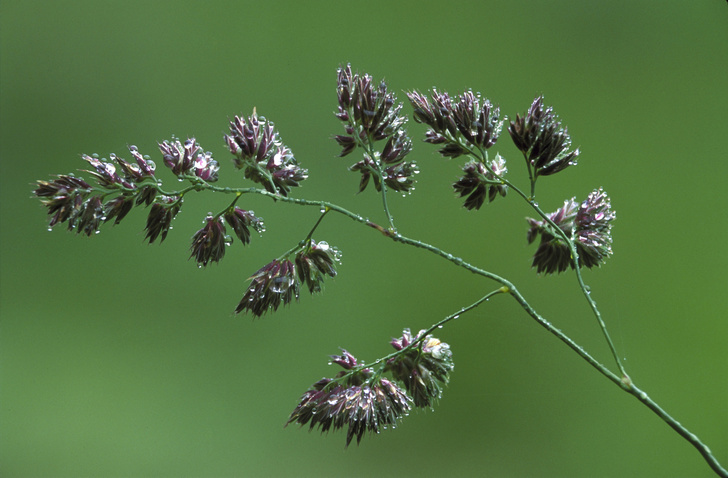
(273, 284)
(466, 125)
(81, 205)
(355, 399)
(594, 229)
(315, 262)
(258, 150)
(588, 224)
(370, 114)
(208, 244)
(469, 121)
(189, 158)
(279, 282)
(241, 221)
(64, 198)
(159, 221)
(126, 185)
(542, 140)
(424, 368)
(480, 182)
(363, 400)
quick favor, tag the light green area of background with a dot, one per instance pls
(123, 359)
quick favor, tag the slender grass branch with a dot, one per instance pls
(623, 381)
(481, 155)
(577, 270)
(422, 336)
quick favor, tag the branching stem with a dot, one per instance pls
(624, 382)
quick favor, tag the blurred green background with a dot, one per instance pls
(124, 359)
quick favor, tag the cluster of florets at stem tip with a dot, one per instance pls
(279, 282)
(85, 207)
(187, 158)
(371, 114)
(542, 140)
(465, 125)
(361, 399)
(469, 125)
(588, 225)
(210, 242)
(258, 150)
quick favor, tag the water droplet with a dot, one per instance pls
(281, 284)
(439, 326)
(50, 229)
(457, 316)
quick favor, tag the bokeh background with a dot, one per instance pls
(124, 359)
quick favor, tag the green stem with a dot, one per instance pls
(306, 242)
(310, 234)
(380, 362)
(577, 270)
(370, 151)
(384, 203)
(230, 206)
(623, 382)
(482, 155)
(440, 324)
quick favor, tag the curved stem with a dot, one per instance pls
(384, 203)
(370, 152)
(577, 270)
(482, 155)
(313, 229)
(680, 429)
(432, 328)
(307, 241)
(486, 297)
(624, 382)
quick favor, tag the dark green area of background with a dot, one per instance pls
(124, 359)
